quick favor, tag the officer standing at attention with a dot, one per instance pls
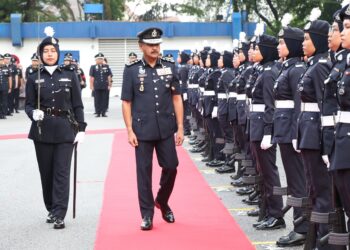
(100, 83)
(34, 67)
(287, 110)
(132, 57)
(340, 162)
(5, 87)
(310, 87)
(153, 112)
(56, 126)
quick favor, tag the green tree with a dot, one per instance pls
(113, 9)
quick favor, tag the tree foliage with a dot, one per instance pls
(113, 9)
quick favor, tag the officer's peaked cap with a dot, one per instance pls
(7, 55)
(150, 36)
(34, 57)
(99, 56)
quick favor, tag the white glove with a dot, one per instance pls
(38, 115)
(79, 138)
(185, 96)
(326, 160)
(295, 145)
(266, 142)
(215, 112)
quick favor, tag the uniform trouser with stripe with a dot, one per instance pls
(238, 135)
(167, 159)
(319, 187)
(266, 165)
(296, 181)
(101, 100)
(54, 160)
(215, 133)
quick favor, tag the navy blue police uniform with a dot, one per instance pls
(339, 167)
(310, 87)
(53, 137)
(101, 74)
(287, 110)
(261, 123)
(150, 91)
(4, 89)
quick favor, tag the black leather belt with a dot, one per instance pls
(54, 112)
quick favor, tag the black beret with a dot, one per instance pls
(291, 33)
(345, 12)
(184, 57)
(267, 41)
(34, 57)
(99, 56)
(132, 54)
(318, 27)
(243, 46)
(150, 36)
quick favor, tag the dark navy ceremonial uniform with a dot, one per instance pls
(11, 96)
(61, 103)
(183, 77)
(4, 89)
(287, 110)
(101, 73)
(150, 91)
(309, 135)
(261, 123)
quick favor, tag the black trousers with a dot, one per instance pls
(341, 180)
(187, 112)
(16, 98)
(3, 102)
(239, 135)
(266, 164)
(167, 159)
(319, 187)
(10, 101)
(215, 133)
(101, 100)
(54, 162)
(296, 181)
(226, 128)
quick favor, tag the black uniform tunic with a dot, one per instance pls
(150, 90)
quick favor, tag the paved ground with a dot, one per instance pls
(22, 214)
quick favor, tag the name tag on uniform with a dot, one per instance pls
(164, 71)
(41, 80)
(64, 80)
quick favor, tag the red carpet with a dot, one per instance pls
(202, 222)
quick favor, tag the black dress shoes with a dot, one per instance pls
(251, 202)
(98, 115)
(50, 218)
(146, 223)
(58, 223)
(104, 115)
(254, 212)
(167, 214)
(215, 163)
(225, 169)
(292, 239)
(207, 159)
(272, 223)
(245, 190)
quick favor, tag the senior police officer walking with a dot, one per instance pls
(153, 112)
(100, 83)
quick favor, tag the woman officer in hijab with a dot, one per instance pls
(310, 87)
(261, 121)
(57, 124)
(287, 110)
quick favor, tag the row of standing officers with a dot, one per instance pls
(293, 91)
